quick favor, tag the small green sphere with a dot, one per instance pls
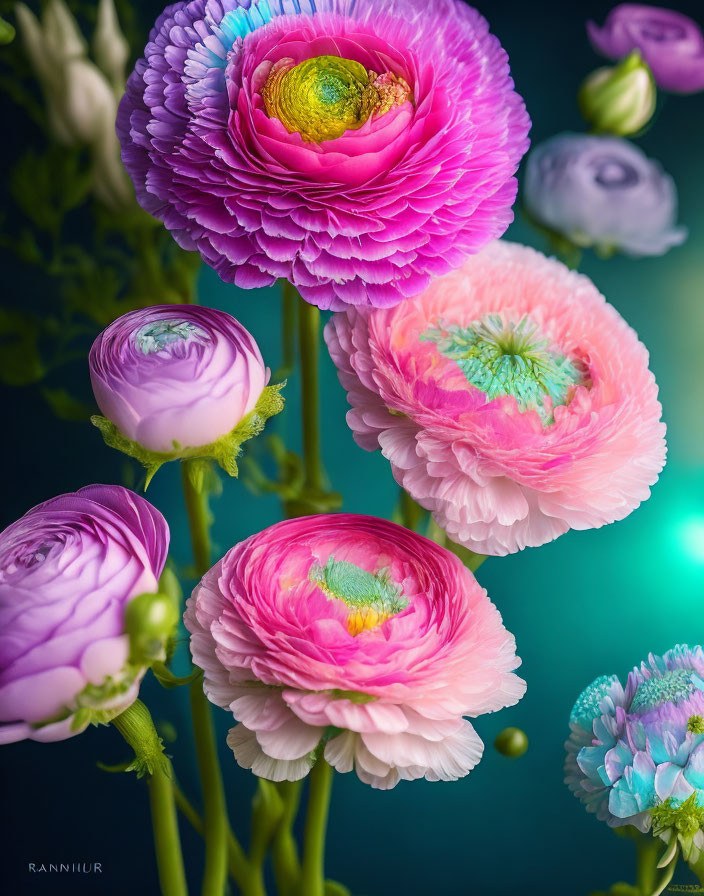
(511, 742)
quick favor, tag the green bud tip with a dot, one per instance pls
(150, 620)
(620, 99)
(511, 742)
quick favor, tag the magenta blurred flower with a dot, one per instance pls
(671, 43)
(68, 570)
(357, 148)
(174, 378)
(512, 401)
(356, 634)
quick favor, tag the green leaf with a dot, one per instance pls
(20, 361)
(65, 406)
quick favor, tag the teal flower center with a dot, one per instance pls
(160, 335)
(672, 687)
(371, 597)
(586, 709)
(515, 359)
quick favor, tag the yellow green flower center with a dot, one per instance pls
(372, 598)
(325, 96)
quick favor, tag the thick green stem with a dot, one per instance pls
(215, 811)
(287, 865)
(308, 334)
(647, 851)
(136, 726)
(313, 867)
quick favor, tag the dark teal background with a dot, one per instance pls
(590, 603)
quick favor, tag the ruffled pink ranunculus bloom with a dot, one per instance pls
(511, 400)
(68, 570)
(357, 148)
(176, 375)
(352, 635)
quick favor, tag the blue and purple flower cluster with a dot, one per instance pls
(635, 755)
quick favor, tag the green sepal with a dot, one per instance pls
(224, 451)
(136, 726)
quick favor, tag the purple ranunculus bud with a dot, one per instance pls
(672, 44)
(602, 192)
(68, 570)
(175, 378)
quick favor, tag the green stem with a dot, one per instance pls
(309, 325)
(411, 511)
(698, 868)
(288, 327)
(136, 726)
(313, 870)
(647, 851)
(199, 519)
(287, 865)
(216, 823)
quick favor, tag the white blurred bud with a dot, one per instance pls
(110, 46)
(63, 38)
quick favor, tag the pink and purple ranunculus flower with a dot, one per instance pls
(635, 755)
(671, 43)
(68, 570)
(511, 400)
(176, 375)
(353, 638)
(356, 148)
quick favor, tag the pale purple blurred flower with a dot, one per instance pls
(603, 192)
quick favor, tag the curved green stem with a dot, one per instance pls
(236, 859)
(216, 823)
(313, 867)
(308, 335)
(136, 726)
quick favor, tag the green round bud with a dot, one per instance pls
(621, 99)
(150, 620)
(511, 742)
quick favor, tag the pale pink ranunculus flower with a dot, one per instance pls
(511, 400)
(354, 635)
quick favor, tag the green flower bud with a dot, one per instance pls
(150, 620)
(619, 100)
(511, 742)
